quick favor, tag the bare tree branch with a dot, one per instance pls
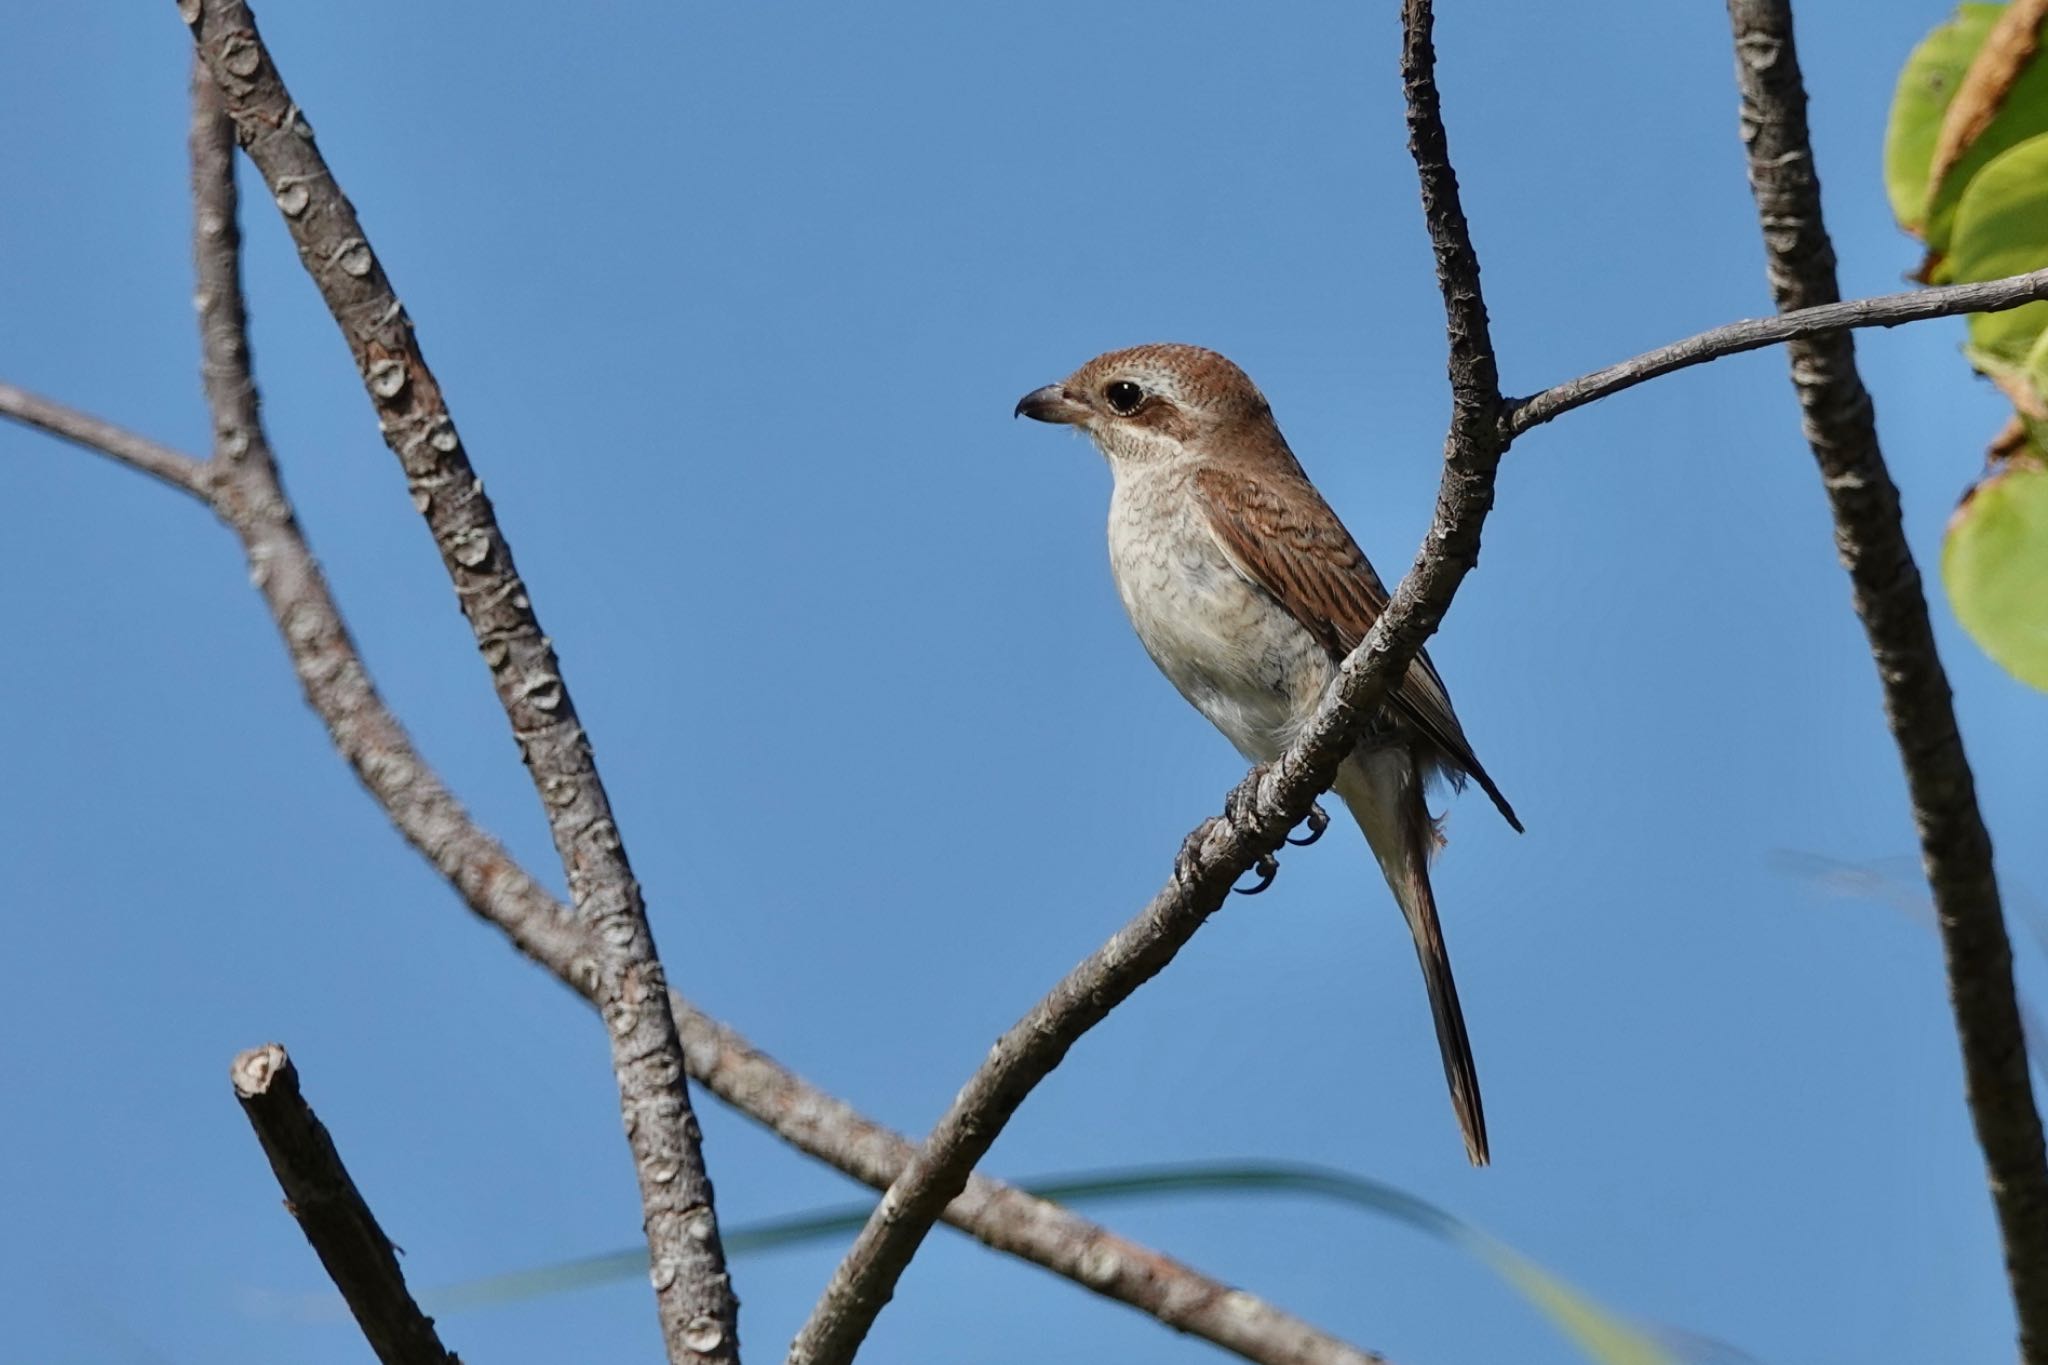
(357, 1255)
(246, 491)
(1004, 1217)
(698, 1311)
(1955, 850)
(496, 889)
(1260, 811)
(1751, 334)
(179, 470)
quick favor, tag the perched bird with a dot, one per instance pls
(1247, 591)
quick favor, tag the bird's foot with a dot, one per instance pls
(1317, 822)
(1241, 804)
(1266, 868)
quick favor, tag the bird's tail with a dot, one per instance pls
(1384, 791)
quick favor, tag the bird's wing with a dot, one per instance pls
(1284, 538)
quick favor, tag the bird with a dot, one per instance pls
(1247, 591)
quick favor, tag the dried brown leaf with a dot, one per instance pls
(2010, 440)
(2012, 381)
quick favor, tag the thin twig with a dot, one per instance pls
(178, 470)
(1751, 334)
(1264, 806)
(352, 1248)
(1885, 586)
(698, 1311)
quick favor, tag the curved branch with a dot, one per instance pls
(1751, 334)
(698, 1311)
(1260, 812)
(1955, 849)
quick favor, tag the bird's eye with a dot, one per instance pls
(1123, 397)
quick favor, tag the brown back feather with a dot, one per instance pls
(1283, 537)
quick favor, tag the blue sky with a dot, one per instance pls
(732, 304)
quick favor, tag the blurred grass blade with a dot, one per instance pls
(1604, 1336)
(614, 1266)
(1597, 1332)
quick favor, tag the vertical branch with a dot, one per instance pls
(699, 1314)
(245, 489)
(1475, 378)
(1955, 850)
(1477, 437)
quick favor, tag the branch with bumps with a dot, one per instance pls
(699, 1313)
(1955, 849)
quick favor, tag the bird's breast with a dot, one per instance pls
(1230, 649)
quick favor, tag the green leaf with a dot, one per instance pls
(2001, 228)
(1925, 88)
(1994, 563)
(1603, 1335)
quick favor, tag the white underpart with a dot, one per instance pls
(1233, 651)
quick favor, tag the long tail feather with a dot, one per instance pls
(1452, 1040)
(1384, 791)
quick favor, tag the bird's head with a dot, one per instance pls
(1151, 403)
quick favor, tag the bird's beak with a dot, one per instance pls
(1052, 404)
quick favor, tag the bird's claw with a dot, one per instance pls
(1267, 868)
(1318, 821)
